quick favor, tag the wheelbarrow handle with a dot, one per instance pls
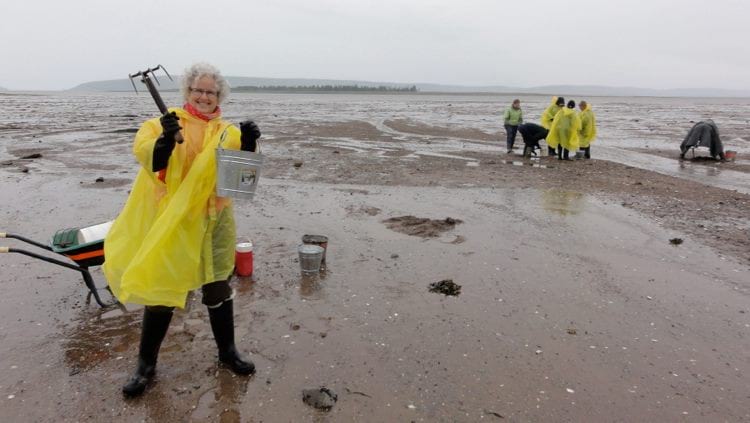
(87, 279)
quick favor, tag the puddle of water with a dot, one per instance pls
(707, 175)
(565, 203)
(520, 163)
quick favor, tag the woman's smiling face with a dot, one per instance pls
(204, 95)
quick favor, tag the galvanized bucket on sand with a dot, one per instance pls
(309, 258)
(237, 172)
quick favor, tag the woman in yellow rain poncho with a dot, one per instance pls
(564, 131)
(174, 234)
(587, 132)
(548, 116)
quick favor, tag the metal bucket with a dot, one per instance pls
(320, 241)
(309, 258)
(237, 172)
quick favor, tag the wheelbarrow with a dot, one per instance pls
(82, 246)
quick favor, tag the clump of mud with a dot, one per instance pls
(675, 241)
(446, 287)
(420, 226)
(363, 210)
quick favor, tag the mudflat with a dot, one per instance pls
(573, 303)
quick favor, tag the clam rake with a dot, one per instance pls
(82, 246)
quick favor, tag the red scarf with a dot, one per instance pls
(193, 111)
(162, 174)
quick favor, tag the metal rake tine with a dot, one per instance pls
(165, 71)
(133, 83)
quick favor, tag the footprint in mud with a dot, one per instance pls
(420, 226)
(460, 239)
(320, 398)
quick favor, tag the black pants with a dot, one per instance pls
(214, 293)
(511, 131)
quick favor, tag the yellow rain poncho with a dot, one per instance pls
(587, 132)
(549, 114)
(564, 130)
(173, 235)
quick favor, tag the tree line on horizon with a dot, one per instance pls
(325, 88)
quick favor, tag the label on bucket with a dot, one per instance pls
(247, 176)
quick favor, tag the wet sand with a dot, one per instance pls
(574, 305)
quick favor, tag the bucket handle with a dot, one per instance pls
(222, 138)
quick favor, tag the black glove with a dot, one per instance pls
(170, 124)
(250, 135)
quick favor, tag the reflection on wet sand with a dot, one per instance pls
(222, 402)
(311, 286)
(707, 175)
(99, 336)
(566, 203)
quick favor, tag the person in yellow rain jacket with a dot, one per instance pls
(548, 116)
(587, 133)
(564, 131)
(174, 234)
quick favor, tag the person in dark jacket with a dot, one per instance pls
(532, 134)
(703, 134)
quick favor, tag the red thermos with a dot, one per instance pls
(243, 258)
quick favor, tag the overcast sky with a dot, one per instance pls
(54, 44)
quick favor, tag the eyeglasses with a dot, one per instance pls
(198, 92)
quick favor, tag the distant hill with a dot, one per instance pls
(234, 81)
(3, 89)
(565, 90)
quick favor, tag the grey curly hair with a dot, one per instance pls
(198, 71)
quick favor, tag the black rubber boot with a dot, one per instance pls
(155, 325)
(566, 154)
(550, 151)
(222, 324)
(559, 152)
(587, 153)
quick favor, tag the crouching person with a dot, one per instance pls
(174, 234)
(532, 134)
(703, 134)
